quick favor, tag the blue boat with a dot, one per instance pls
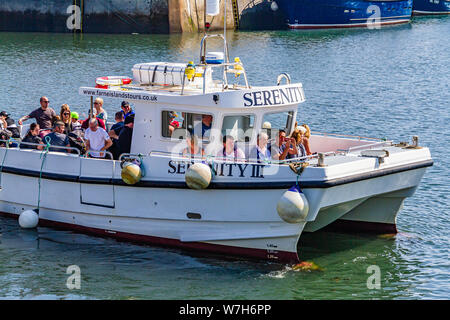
(431, 7)
(324, 14)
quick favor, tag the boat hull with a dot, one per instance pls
(254, 231)
(431, 7)
(336, 14)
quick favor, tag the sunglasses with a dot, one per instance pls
(46, 101)
(66, 113)
(96, 103)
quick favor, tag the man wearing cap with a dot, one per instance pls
(124, 141)
(126, 109)
(44, 116)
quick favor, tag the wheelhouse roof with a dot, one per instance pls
(235, 98)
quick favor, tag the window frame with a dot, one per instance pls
(177, 110)
(255, 121)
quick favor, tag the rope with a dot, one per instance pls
(212, 165)
(141, 165)
(298, 168)
(4, 156)
(43, 156)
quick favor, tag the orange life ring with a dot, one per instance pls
(106, 82)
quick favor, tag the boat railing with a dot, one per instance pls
(93, 154)
(338, 135)
(19, 143)
(370, 146)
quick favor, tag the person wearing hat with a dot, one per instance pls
(125, 135)
(5, 134)
(126, 109)
(10, 124)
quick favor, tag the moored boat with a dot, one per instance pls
(335, 14)
(431, 7)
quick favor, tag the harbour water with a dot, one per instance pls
(391, 83)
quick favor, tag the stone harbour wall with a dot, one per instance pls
(123, 16)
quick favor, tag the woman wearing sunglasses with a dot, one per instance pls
(65, 116)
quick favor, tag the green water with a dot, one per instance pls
(390, 83)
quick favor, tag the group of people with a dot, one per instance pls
(283, 148)
(65, 131)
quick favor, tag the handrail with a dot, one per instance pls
(344, 135)
(19, 143)
(100, 152)
(370, 146)
(133, 155)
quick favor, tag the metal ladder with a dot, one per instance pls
(235, 13)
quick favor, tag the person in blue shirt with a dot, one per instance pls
(126, 109)
(262, 151)
(114, 133)
(205, 126)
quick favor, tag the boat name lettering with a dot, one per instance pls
(241, 170)
(272, 97)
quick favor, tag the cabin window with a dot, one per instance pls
(239, 126)
(273, 122)
(177, 125)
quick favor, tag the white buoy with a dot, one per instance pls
(274, 6)
(28, 219)
(198, 176)
(293, 206)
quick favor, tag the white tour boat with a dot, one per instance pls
(242, 206)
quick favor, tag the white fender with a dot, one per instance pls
(131, 173)
(198, 176)
(293, 206)
(28, 219)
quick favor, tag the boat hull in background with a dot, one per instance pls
(335, 14)
(431, 7)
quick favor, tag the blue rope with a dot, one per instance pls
(141, 165)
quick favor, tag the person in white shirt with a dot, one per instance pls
(230, 150)
(97, 139)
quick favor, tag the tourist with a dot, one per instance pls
(97, 139)
(65, 116)
(100, 113)
(261, 152)
(230, 150)
(298, 150)
(76, 125)
(85, 123)
(279, 150)
(5, 134)
(114, 133)
(11, 125)
(173, 124)
(205, 126)
(44, 117)
(116, 127)
(32, 136)
(126, 109)
(306, 137)
(124, 141)
(57, 137)
(192, 149)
